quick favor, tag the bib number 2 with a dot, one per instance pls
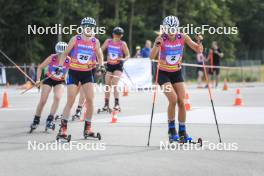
(173, 59)
(113, 56)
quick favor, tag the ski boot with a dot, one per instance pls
(184, 137)
(49, 123)
(173, 136)
(63, 131)
(35, 124)
(87, 132)
(104, 109)
(117, 108)
(58, 117)
(77, 115)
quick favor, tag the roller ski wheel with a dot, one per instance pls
(104, 109)
(64, 137)
(200, 141)
(92, 135)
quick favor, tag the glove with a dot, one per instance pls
(37, 84)
(199, 38)
(158, 41)
(101, 69)
(58, 70)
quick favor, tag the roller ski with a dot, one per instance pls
(184, 138)
(63, 132)
(77, 114)
(117, 108)
(58, 117)
(87, 132)
(35, 124)
(50, 124)
(105, 109)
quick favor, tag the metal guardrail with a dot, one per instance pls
(242, 70)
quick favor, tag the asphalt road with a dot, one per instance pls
(123, 151)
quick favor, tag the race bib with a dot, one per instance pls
(113, 56)
(83, 58)
(58, 76)
(173, 59)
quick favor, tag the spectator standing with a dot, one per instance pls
(32, 71)
(200, 73)
(138, 54)
(146, 50)
(214, 57)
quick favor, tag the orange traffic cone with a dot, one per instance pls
(5, 103)
(225, 87)
(125, 90)
(114, 117)
(238, 100)
(187, 102)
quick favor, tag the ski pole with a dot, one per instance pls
(10, 60)
(211, 97)
(154, 98)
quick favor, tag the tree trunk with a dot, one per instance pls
(117, 3)
(130, 37)
(175, 7)
(164, 2)
(60, 16)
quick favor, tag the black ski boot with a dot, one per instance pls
(50, 123)
(35, 124)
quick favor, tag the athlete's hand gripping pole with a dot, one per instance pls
(199, 39)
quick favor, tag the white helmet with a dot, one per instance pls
(60, 47)
(88, 21)
(171, 21)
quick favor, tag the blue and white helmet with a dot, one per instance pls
(60, 47)
(118, 31)
(88, 21)
(171, 21)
